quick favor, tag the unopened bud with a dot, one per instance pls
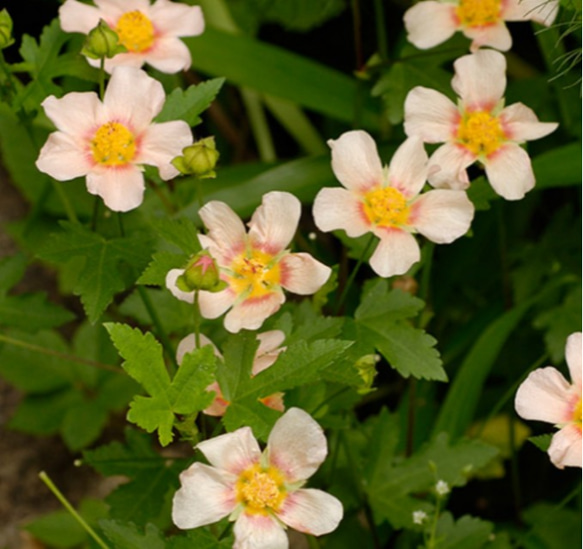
(366, 367)
(199, 159)
(5, 29)
(201, 273)
(102, 41)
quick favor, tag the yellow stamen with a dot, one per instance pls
(577, 413)
(261, 489)
(113, 145)
(480, 133)
(135, 31)
(256, 274)
(386, 207)
(477, 13)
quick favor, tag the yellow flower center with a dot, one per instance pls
(577, 413)
(113, 145)
(386, 207)
(477, 13)
(260, 489)
(480, 133)
(255, 273)
(135, 31)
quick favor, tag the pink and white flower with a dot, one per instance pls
(149, 32)
(267, 353)
(257, 266)
(479, 128)
(387, 201)
(545, 395)
(482, 21)
(261, 492)
(109, 141)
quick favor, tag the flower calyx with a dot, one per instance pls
(198, 159)
(102, 42)
(201, 273)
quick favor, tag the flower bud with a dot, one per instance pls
(5, 29)
(102, 41)
(366, 367)
(201, 273)
(198, 159)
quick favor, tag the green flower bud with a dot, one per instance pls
(201, 273)
(102, 41)
(5, 29)
(366, 367)
(199, 159)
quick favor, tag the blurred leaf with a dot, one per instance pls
(83, 423)
(464, 533)
(296, 15)
(542, 442)
(32, 312)
(180, 232)
(552, 527)
(127, 535)
(11, 271)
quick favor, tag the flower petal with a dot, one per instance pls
(408, 168)
(188, 344)
(268, 351)
(544, 396)
(573, 356)
(496, 36)
(336, 208)
(131, 60)
(251, 313)
(77, 17)
(171, 279)
(510, 172)
(62, 158)
(480, 79)
(541, 11)
(232, 452)
(311, 511)
(355, 160)
(447, 167)
(214, 304)
(173, 19)
(442, 216)
(297, 445)
(302, 274)
(169, 55)
(275, 222)
(206, 496)
(121, 6)
(226, 230)
(521, 124)
(75, 113)
(430, 23)
(259, 532)
(395, 253)
(565, 448)
(430, 115)
(122, 189)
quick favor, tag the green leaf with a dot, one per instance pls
(181, 232)
(542, 442)
(128, 536)
(382, 321)
(11, 271)
(188, 104)
(32, 312)
(83, 423)
(552, 527)
(296, 15)
(465, 533)
(102, 275)
(201, 539)
(162, 262)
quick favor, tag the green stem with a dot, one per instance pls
(102, 78)
(411, 416)
(432, 541)
(259, 125)
(338, 393)
(381, 29)
(95, 213)
(515, 479)
(65, 502)
(426, 274)
(65, 201)
(196, 320)
(313, 542)
(199, 192)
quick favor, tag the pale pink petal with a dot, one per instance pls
(232, 452)
(259, 532)
(75, 113)
(302, 274)
(396, 252)
(541, 11)
(442, 216)
(408, 167)
(169, 55)
(521, 124)
(430, 23)
(117, 7)
(480, 79)
(447, 167)
(430, 115)
(131, 60)
(219, 405)
(495, 36)
(206, 496)
(214, 304)
(171, 279)
(355, 160)
(225, 228)
(573, 356)
(133, 98)
(122, 189)
(565, 448)
(544, 396)
(274, 401)
(510, 172)
(172, 19)
(274, 223)
(268, 351)
(336, 208)
(62, 158)
(188, 344)
(311, 511)
(251, 313)
(77, 17)
(160, 143)
(297, 445)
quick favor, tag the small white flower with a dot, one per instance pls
(419, 517)
(442, 488)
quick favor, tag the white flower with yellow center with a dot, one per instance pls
(109, 141)
(545, 395)
(479, 128)
(149, 32)
(256, 266)
(482, 21)
(387, 202)
(262, 492)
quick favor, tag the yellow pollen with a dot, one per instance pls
(261, 490)
(477, 13)
(135, 31)
(255, 274)
(480, 133)
(386, 207)
(577, 413)
(113, 145)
